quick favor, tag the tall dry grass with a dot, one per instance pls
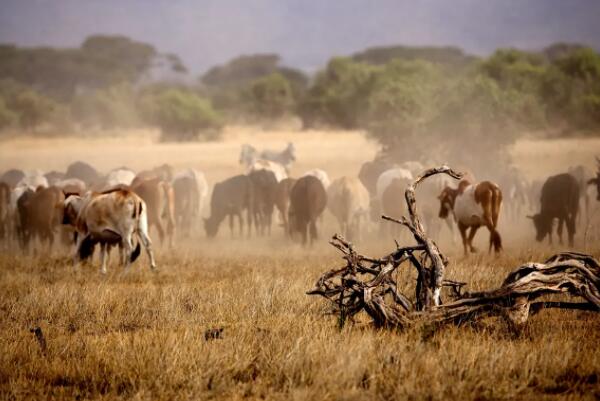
(141, 335)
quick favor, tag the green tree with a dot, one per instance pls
(271, 96)
(180, 115)
(7, 116)
(32, 109)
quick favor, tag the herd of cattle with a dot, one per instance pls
(85, 208)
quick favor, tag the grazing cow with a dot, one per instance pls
(559, 199)
(12, 177)
(190, 188)
(348, 201)
(84, 172)
(321, 175)
(265, 185)
(108, 218)
(473, 206)
(40, 214)
(230, 198)
(159, 198)
(370, 172)
(308, 199)
(282, 200)
(275, 168)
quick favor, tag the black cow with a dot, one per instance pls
(265, 186)
(560, 199)
(230, 198)
(308, 199)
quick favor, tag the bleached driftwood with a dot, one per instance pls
(368, 284)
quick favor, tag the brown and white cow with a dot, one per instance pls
(109, 218)
(473, 206)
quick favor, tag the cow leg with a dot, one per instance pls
(463, 234)
(241, 222)
(103, 257)
(571, 229)
(472, 233)
(559, 230)
(145, 239)
(313, 231)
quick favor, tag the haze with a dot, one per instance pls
(305, 33)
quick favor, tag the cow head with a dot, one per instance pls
(447, 198)
(542, 224)
(71, 209)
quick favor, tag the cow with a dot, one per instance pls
(348, 200)
(264, 187)
(321, 175)
(473, 206)
(71, 185)
(230, 198)
(119, 176)
(282, 200)
(393, 204)
(33, 179)
(159, 199)
(249, 155)
(559, 199)
(190, 189)
(84, 172)
(12, 177)
(596, 180)
(108, 218)
(285, 157)
(163, 172)
(40, 214)
(383, 182)
(276, 168)
(308, 199)
(55, 176)
(370, 172)
(583, 175)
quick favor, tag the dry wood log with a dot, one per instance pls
(368, 284)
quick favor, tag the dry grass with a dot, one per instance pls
(141, 335)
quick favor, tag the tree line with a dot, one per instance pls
(408, 98)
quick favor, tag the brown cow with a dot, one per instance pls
(473, 205)
(160, 200)
(308, 199)
(282, 200)
(108, 218)
(40, 214)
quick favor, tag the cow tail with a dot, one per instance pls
(496, 205)
(136, 253)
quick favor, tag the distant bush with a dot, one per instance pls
(271, 96)
(113, 107)
(181, 115)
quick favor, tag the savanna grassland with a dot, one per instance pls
(141, 335)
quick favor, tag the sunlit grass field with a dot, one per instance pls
(141, 335)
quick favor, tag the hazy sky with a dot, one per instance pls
(305, 32)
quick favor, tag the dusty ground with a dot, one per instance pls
(140, 335)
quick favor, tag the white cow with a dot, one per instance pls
(386, 178)
(348, 200)
(109, 219)
(119, 176)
